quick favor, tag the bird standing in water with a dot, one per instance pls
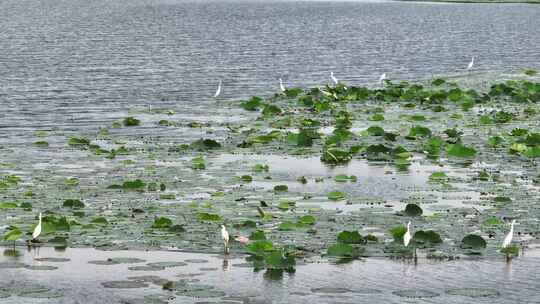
(281, 86)
(218, 91)
(382, 78)
(37, 230)
(225, 237)
(471, 64)
(35, 234)
(407, 236)
(334, 79)
(508, 239)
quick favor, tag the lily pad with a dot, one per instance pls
(415, 293)
(167, 264)
(124, 284)
(473, 292)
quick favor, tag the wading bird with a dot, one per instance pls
(281, 86)
(382, 78)
(334, 79)
(37, 230)
(225, 237)
(508, 239)
(471, 64)
(407, 236)
(218, 91)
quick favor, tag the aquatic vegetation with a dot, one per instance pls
(305, 173)
(131, 121)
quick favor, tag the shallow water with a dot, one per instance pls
(63, 60)
(365, 281)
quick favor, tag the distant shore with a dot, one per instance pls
(476, 1)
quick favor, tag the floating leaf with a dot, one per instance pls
(342, 250)
(413, 210)
(336, 195)
(203, 216)
(473, 241)
(162, 222)
(350, 237)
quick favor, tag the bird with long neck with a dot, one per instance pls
(471, 64)
(508, 240)
(225, 237)
(37, 230)
(218, 91)
(334, 79)
(281, 85)
(407, 236)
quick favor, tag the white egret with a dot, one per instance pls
(471, 64)
(334, 79)
(218, 91)
(508, 239)
(37, 230)
(382, 78)
(407, 236)
(281, 86)
(225, 237)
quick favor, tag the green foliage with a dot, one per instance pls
(203, 216)
(341, 178)
(427, 238)
(398, 232)
(259, 248)
(162, 222)
(198, 163)
(8, 205)
(336, 195)
(460, 151)
(473, 241)
(350, 237)
(413, 210)
(342, 251)
(205, 144)
(253, 104)
(281, 188)
(73, 204)
(131, 121)
(257, 235)
(12, 234)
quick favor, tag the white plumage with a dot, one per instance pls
(225, 237)
(281, 86)
(382, 78)
(37, 230)
(471, 64)
(508, 239)
(407, 236)
(334, 79)
(218, 91)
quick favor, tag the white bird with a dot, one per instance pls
(471, 64)
(334, 79)
(37, 230)
(218, 91)
(508, 239)
(382, 78)
(225, 237)
(281, 86)
(407, 236)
